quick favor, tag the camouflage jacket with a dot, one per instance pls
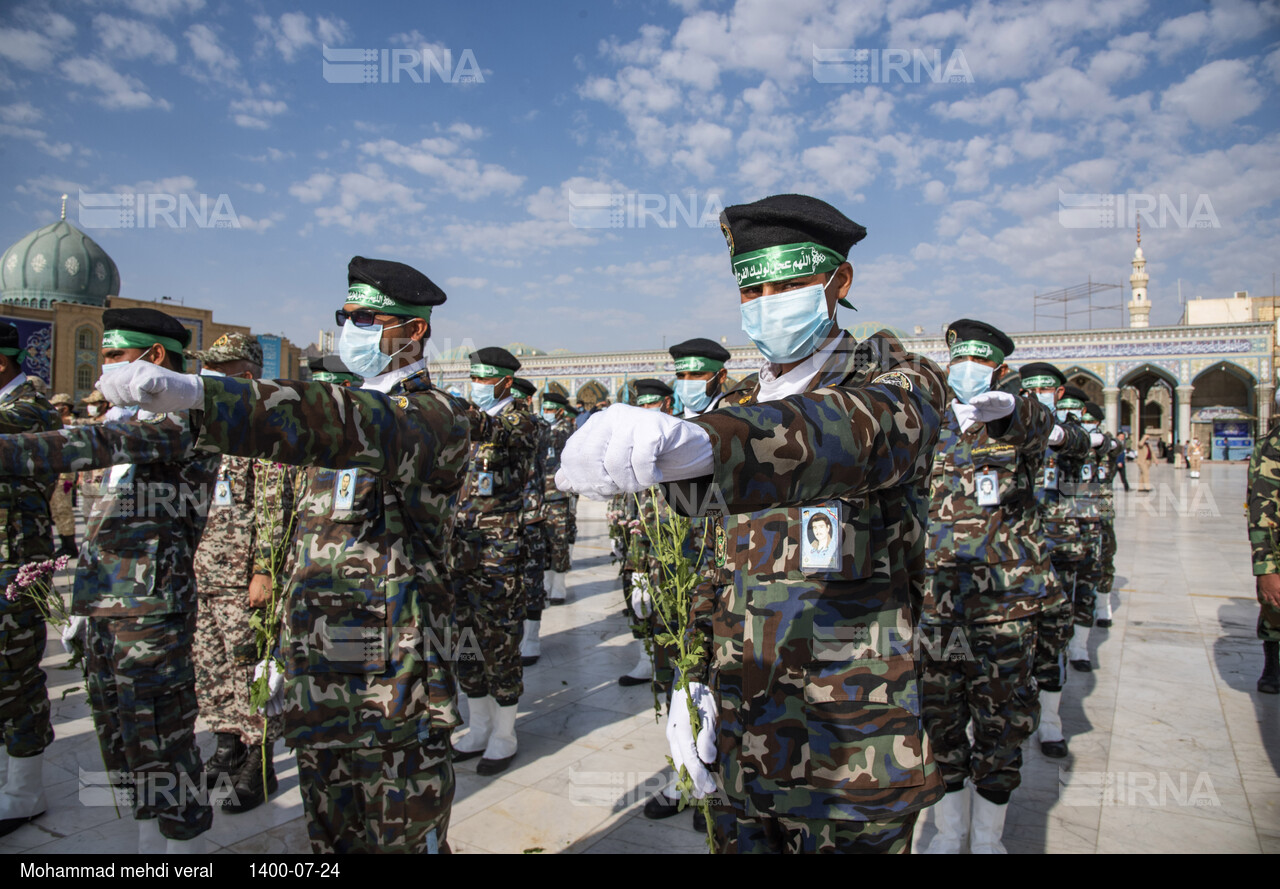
(1060, 532)
(250, 514)
(367, 600)
(1264, 503)
(503, 449)
(1004, 538)
(1078, 494)
(142, 535)
(1108, 456)
(819, 698)
(535, 484)
(560, 432)
(24, 500)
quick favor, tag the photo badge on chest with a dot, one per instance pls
(1086, 473)
(484, 484)
(222, 493)
(1051, 478)
(344, 491)
(820, 538)
(988, 485)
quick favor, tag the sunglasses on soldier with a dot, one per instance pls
(362, 318)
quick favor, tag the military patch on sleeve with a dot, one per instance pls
(894, 378)
(402, 402)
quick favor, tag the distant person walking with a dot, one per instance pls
(1122, 459)
(1146, 456)
(1195, 454)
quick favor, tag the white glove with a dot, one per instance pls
(993, 406)
(153, 388)
(694, 754)
(116, 414)
(616, 549)
(1096, 439)
(1057, 436)
(275, 685)
(1115, 443)
(965, 414)
(624, 450)
(77, 627)
(641, 600)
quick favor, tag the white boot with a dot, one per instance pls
(22, 798)
(949, 816)
(1102, 610)
(502, 742)
(530, 645)
(641, 673)
(555, 587)
(480, 726)
(988, 827)
(150, 842)
(1078, 649)
(196, 846)
(1050, 720)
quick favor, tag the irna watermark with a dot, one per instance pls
(917, 65)
(1126, 210)
(147, 210)
(396, 65)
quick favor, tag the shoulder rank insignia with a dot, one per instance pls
(893, 378)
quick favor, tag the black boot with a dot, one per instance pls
(68, 547)
(249, 790)
(1269, 681)
(226, 760)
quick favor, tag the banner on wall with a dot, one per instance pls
(270, 356)
(37, 338)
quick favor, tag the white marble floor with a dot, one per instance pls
(1172, 748)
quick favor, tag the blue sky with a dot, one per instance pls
(492, 181)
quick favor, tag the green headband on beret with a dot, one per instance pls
(783, 263)
(697, 364)
(1041, 382)
(373, 298)
(977, 349)
(1069, 404)
(649, 399)
(134, 339)
(325, 376)
(484, 371)
(20, 355)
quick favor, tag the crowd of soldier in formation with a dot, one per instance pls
(898, 565)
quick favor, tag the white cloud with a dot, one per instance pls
(133, 39)
(118, 91)
(35, 46)
(1217, 94)
(20, 112)
(352, 192)
(293, 32)
(314, 189)
(860, 110)
(1226, 22)
(252, 113)
(216, 62)
(164, 8)
(463, 177)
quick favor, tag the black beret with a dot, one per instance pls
(524, 387)
(496, 356)
(651, 387)
(401, 282)
(9, 336)
(788, 219)
(329, 364)
(1077, 393)
(1042, 369)
(967, 330)
(699, 347)
(150, 321)
(552, 397)
(1094, 410)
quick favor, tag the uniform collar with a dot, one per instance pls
(797, 380)
(384, 383)
(496, 409)
(691, 414)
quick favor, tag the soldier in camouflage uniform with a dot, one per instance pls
(1103, 575)
(1047, 384)
(24, 704)
(815, 721)
(533, 546)
(1090, 506)
(60, 503)
(134, 583)
(560, 527)
(367, 693)
(1264, 545)
(242, 549)
(988, 576)
(487, 567)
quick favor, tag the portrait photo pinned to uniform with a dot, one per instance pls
(988, 484)
(222, 493)
(820, 539)
(345, 489)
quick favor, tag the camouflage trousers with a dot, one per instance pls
(378, 799)
(1054, 629)
(533, 578)
(737, 833)
(60, 509)
(995, 689)
(225, 652)
(489, 601)
(142, 691)
(1268, 622)
(24, 702)
(1107, 558)
(560, 530)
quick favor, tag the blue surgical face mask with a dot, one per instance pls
(549, 416)
(1047, 399)
(787, 327)
(210, 372)
(1063, 416)
(482, 395)
(694, 395)
(361, 349)
(969, 378)
(112, 368)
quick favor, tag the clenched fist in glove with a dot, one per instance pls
(624, 450)
(152, 388)
(641, 598)
(984, 408)
(275, 686)
(694, 754)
